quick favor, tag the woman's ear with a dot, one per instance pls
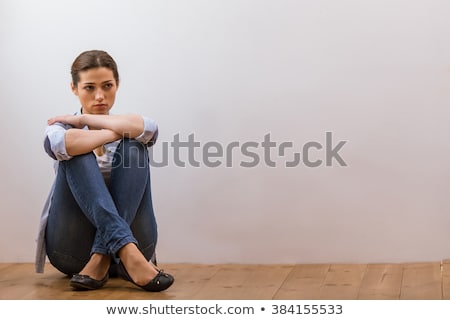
(74, 89)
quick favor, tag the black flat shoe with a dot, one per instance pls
(160, 282)
(83, 282)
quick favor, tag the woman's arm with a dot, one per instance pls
(127, 125)
(65, 143)
(79, 141)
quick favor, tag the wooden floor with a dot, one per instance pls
(421, 281)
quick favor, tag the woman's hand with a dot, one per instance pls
(76, 121)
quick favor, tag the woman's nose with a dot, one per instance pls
(99, 95)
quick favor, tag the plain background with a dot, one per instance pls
(374, 73)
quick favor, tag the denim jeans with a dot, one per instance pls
(86, 216)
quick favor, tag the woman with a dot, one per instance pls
(99, 213)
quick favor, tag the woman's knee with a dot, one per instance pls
(80, 162)
(131, 153)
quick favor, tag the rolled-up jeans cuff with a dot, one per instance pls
(119, 246)
(99, 250)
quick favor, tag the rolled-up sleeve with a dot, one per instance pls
(54, 143)
(150, 133)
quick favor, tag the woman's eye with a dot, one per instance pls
(108, 86)
(89, 88)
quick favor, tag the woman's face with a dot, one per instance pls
(96, 90)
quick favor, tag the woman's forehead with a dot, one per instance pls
(96, 75)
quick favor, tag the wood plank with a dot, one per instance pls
(239, 282)
(286, 282)
(446, 279)
(4, 266)
(189, 280)
(17, 281)
(343, 282)
(421, 281)
(381, 282)
(23, 283)
(303, 283)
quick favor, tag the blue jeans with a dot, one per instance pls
(87, 216)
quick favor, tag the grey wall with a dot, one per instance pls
(375, 74)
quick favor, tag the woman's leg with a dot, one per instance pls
(144, 226)
(131, 190)
(113, 235)
(69, 233)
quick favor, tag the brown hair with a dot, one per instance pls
(92, 59)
